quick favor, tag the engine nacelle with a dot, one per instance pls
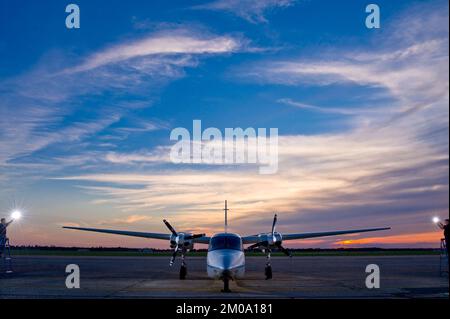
(271, 240)
(181, 241)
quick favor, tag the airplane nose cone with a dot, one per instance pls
(229, 261)
(226, 259)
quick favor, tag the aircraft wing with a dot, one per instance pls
(123, 232)
(254, 238)
(200, 240)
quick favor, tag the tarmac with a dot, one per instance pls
(298, 277)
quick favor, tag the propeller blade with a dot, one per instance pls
(260, 244)
(274, 223)
(285, 251)
(253, 246)
(195, 236)
(170, 227)
(172, 260)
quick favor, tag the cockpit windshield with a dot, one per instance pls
(225, 242)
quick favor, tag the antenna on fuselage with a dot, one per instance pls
(226, 216)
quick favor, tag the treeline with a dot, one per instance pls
(156, 250)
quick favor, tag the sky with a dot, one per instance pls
(362, 117)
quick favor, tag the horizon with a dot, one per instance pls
(205, 248)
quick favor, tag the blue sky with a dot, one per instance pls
(362, 115)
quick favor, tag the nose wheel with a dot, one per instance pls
(226, 285)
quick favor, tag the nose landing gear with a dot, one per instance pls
(226, 282)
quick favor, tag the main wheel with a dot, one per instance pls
(183, 272)
(268, 272)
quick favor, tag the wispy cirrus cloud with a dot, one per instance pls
(39, 108)
(406, 59)
(160, 155)
(254, 11)
(161, 43)
(406, 73)
(321, 109)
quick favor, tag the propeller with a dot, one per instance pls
(176, 240)
(259, 244)
(272, 239)
(278, 243)
(170, 227)
(274, 223)
(284, 250)
(179, 239)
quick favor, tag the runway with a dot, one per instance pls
(299, 277)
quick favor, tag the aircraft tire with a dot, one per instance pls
(268, 272)
(183, 272)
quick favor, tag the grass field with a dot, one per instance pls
(34, 252)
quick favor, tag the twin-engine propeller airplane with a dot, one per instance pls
(225, 258)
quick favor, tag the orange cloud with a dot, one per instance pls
(136, 218)
(411, 238)
(130, 219)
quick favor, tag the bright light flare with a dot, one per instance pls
(16, 215)
(436, 220)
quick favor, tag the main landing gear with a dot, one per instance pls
(183, 268)
(268, 270)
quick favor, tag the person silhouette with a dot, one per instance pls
(444, 226)
(3, 226)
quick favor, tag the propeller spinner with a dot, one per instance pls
(179, 239)
(272, 239)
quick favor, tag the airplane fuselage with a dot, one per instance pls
(225, 258)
